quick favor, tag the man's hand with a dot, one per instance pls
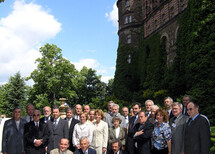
(77, 146)
(38, 142)
(104, 149)
(139, 132)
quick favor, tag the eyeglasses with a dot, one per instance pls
(36, 115)
(190, 109)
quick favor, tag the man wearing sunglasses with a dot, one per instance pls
(36, 135)
(197, 132)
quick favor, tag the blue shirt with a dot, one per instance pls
(160, 135)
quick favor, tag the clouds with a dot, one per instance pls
(94, 64)
(22, 31)
(113, 15)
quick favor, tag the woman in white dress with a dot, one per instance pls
(100, 134)
(82, 129)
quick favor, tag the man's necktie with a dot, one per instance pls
(190, 121)
(55, 124)
(31, 118)
(37, 126)
(174, 119)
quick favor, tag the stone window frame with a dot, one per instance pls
(127, 3)
(129, 39)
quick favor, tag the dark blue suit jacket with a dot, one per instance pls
(90, 151)
(12, 141)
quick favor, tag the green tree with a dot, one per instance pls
(90, 88)
(53, 78)
(13, 94)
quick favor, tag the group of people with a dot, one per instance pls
(177, 129)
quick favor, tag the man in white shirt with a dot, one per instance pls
(78, 110)
(47, 114)
(71, 124)
(148, 104)
(168, 101)
(29, 111)
(12, 138)
(125, 113)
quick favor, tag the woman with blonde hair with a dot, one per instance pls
(82, 129)
(100, 133)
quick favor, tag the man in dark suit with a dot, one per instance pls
(186, 100)
(116, 148)
(58, 129)
(12, 140)
(197, 132)
(142, 136)
(132, 122)
(177, 124)
(71, 124)
(168, 101)
(47, 115)
(36, 135)
(84, 143)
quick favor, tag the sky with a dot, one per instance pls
(85, 30)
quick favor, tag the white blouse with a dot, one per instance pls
(82, 130)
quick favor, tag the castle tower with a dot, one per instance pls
(130, 21)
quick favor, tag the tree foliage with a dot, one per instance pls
(13, 94)
(53, 78)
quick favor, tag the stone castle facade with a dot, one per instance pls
(150, 16)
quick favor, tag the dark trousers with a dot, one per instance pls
(156, 151)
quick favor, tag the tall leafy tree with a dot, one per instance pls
(53, 78)
(90, 88)
(13, 94)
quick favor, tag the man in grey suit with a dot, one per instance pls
(115, 113)
(12, 140)
(58, 129)
(177, 123)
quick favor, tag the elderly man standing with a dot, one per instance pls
(168, 101)
(148, 104)
(13, 132)
(197, 132)
(177, 124)
(36, 135)
(47, 115)
(115, 113)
